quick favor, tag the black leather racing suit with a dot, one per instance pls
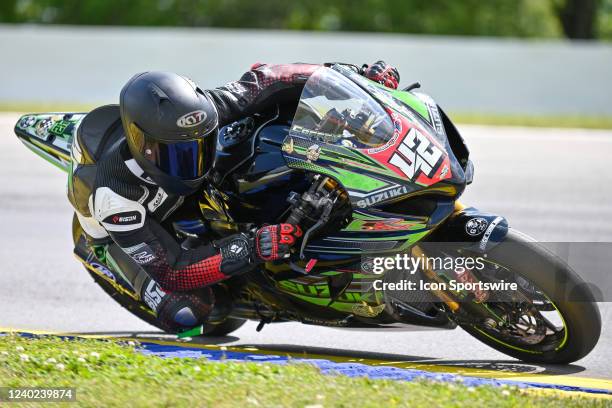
(117, 202)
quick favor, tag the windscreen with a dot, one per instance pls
(333, 109)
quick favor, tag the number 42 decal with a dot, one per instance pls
(416, 153)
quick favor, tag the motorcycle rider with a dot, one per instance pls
(170, 129)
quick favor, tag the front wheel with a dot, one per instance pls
(557, 321)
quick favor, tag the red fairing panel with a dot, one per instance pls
(413, 153)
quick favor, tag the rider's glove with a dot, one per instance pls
(241, 252)
(274, 242)
(382, 73)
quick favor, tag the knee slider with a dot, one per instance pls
(180, 310)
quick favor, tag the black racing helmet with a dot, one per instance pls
(171, 128)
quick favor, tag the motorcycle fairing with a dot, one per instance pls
(353, 296)
(49, 135)
(412, 153)
(470, 225)
(379, 232)
(413, 158)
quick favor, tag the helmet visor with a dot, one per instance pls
(185, 160)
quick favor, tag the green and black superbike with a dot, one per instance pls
(369, 173)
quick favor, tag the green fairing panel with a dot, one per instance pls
(338, 162)
(318, 292)
(365, 179)
(414, 102)
(390, 97)
(50, 135)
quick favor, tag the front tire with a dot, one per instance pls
(566, 291)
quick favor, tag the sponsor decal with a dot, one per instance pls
(117, 219)
(488, 232)
(42, 128)
(347, 143)
(153, 295)
(476, 226)
(313, 153)
(310, 134)
(387, 225)
(416, 154)
(132, 249)
(191, 119)
(367, 266)
(480, 295)
(158, 200)
(397, 123)
(59, 127)
(380, 197)
(236, 248)
(434, 112)
(321, 322)
(126, 218)
(143, 258)
(92, 260)
(444, 172)
(384, 147)
(288, 146)
(103, 270)
(397, 131)
(26, 122)
(142, 253)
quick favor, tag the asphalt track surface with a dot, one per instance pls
(553, 184)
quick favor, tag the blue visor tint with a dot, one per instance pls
(181, 159)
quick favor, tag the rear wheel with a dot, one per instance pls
(555, 320)
(226, 327)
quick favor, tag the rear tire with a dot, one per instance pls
(582, 319)
(224, 328)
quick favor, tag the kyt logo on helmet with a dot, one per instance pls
(191, 119)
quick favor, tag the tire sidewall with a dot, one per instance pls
(557, 280)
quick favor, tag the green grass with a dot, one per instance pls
(34, 107)
(569, 121)
(107, 373)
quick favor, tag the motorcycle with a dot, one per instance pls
(370, 174)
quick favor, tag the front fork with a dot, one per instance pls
(480, 231)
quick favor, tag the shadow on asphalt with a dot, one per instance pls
(505, 368)
(502, 368)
